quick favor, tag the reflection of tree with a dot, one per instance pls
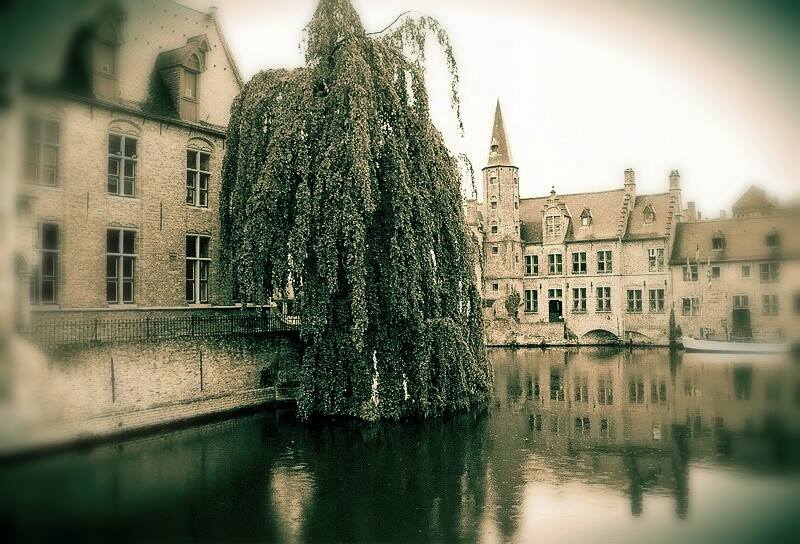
(404, 482)
(680, 469)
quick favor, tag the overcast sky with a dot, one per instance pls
(590, 88)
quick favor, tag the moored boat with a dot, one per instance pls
(716, 346)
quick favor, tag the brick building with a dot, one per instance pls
(739, 277)
(588, 267)
(121, 147)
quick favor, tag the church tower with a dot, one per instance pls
(502, 242)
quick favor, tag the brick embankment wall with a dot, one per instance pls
(97, 391)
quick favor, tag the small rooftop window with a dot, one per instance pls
(586, 217)
(773, 240)
(649, 214)
(718, 242)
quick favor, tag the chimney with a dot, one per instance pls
(212, 12)
(691, 214)
(675, 194)
(630, 180)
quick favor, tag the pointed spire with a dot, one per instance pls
(499, 150)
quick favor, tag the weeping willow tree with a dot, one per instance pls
(336, 183)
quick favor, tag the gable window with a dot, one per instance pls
(579, 300)
(655, 259)
(531, 301)
(690, 272)
(635, 301)
(44, 284)
(198, 173)
(554, 264)
(121, 165)
(604, 262)
(772, 240)
(198, 263)
(105, 59)
(41, 151)
(586, 218)
(649, 214)
(190, 78)
(579, 263)
(604, 299)
(656, 297)
(769, 272)
(553, 225)
(531, 265)
(691, 306)
(120, 265)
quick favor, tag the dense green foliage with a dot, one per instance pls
(512, 304)
(336, 182)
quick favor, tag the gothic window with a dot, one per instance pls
(649, 214)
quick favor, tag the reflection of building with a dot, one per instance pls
(640, 417)
(121, 150)
(739, 277)
(589, 266)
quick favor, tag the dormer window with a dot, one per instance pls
(552, 222)
(718, 242)
(772, 240)
(105, 59)
(190, 84)
(105, 44)
(586, 217)
(649, 214)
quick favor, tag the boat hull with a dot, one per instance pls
(714, 346)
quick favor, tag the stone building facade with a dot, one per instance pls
(120, 155)
(588, 267)
(739, 277)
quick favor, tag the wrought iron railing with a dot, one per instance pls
(56, 333)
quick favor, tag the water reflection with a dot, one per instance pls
(579, 444)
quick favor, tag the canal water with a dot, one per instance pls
(588, 445)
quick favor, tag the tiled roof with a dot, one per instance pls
(745, 239)
(753, 198)
(638, 228)
(605, 207)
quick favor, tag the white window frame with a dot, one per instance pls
(121, 258)
(655, 259)
(200, 266)
(579, 300)
(196, 177)
(605, 262)
(603, 298)
(531, 301)
(531, 265)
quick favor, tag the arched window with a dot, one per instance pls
(649, 214)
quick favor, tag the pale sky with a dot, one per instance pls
(590, 88)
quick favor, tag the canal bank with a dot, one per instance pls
(90, 393)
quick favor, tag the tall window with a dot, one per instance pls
(690, 272)
(44, 284)
(605, 263)
(691, 306)
(658, 392)
(198, 263)
(604, 299)
(636, 391)
(635, 301)
(581, 389)
(198, 173)
(605, 391)
(190, 84)
(121, 165)
(554, 264)
(41, 151)
(770, 304)
(120, 265)
(556, 387)
(655, 257)
(494, 227)
(772, 240)
(769, 272)
(531, 265)
(579, 300)
(579, 263)
(552, 225)
(656, 300)
(531, 301)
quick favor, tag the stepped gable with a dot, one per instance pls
(605, 207)
(745, 239)
(639, 227)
